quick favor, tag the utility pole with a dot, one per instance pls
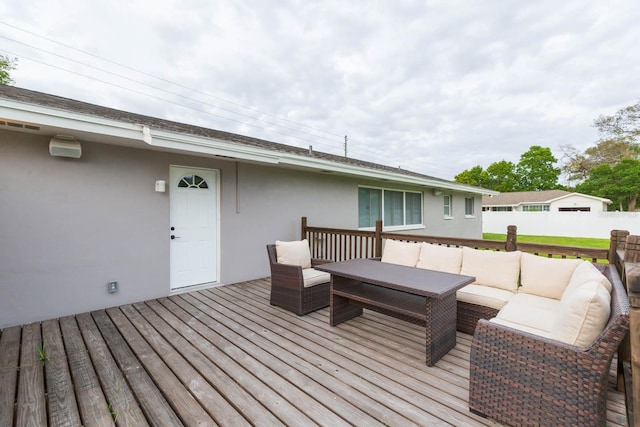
(345, 145)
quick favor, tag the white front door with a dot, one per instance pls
(193, 198)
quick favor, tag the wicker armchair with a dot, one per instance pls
(523, 379)
(287, 287)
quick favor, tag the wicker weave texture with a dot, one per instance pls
(525, 380)
(469, 314)
(287, 287)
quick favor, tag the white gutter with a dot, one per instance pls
(64, 119)
(53, 117)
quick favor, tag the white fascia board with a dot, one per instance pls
(327, 165)
(586, 196)
(53, 117)
(210, 146)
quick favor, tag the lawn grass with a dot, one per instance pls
(581, 242)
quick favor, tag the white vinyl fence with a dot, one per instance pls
(570, 224)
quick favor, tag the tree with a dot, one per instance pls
(620, 183)
(535, 170)
(6, 66)
(578, 165)
(500, 176)
(624, 124)
(474, 176)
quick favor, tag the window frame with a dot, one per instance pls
(447, 206)
(470, 213)
(404, 225)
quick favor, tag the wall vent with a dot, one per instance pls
(18, 125)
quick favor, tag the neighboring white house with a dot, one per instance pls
(102, 207)
(554, 213)
(544, 201)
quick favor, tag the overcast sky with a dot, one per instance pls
(431, 86)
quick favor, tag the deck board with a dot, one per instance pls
(225, 356)
(62, 405)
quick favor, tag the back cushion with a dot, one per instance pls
(401, 253)
(583, 314)
(586, 272)
(546, 277)
(294, 253)
(440, 258)
(491, 268)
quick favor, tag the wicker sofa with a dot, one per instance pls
(524, 379)
(545, 331)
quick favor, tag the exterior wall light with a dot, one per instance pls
(160, 186)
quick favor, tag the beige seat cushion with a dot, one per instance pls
(484, 295)
(294, 253)
(490, 268)
(314, 277)
(546, 277)
(531, 311)
(587, 272)
(523, 328)
(440, 258)
(583, 314)
(401, 253)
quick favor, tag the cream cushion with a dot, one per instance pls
(491, 268)
(587, 272)
(546, 277)
(294, 253)
(440, 258)
(583, 314)
(531, 311)
(401, 253)
(314, 277)
(484, 295)
(523, 328)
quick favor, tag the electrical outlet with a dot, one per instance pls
(112, 287)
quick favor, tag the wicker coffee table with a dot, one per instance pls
(420, 296)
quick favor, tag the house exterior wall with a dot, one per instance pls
(576, 201)
(69, 226)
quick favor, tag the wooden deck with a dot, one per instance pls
(226, 357)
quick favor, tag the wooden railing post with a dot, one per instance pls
(303, 228)
(512, 239)
(617, 241)
(378, 238)
(632, 275)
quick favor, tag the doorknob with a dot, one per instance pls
(174, 237)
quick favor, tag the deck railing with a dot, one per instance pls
(624, 253)
(338, 244)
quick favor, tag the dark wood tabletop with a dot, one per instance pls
(434, 284)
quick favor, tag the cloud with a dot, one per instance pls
(434, 87)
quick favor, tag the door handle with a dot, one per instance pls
(174, 237)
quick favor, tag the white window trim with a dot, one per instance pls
(450, 216)
(466, 215)
(403, 227)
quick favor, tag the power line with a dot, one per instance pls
(374, 152)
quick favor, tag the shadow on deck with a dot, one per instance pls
(226, 357)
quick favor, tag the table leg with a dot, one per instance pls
(440, 327)
(340, 310)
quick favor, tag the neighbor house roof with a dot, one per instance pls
(38, 112)
(516, 198)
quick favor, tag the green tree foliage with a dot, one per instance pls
(501, 176)
(474, 176)
(620, 183)
(6, 66)
(610, 168)
(534, 171)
